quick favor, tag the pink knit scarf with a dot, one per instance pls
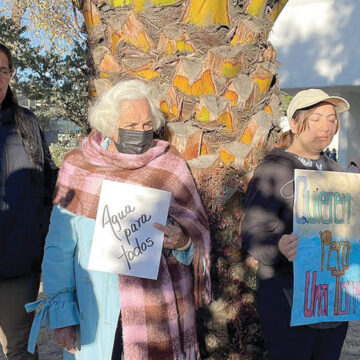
(158, 316)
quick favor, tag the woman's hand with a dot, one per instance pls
(174, 236)
(288, 245)
(66, 338)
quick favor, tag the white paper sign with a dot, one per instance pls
(125, 241)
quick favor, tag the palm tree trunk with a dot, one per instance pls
(213, 74)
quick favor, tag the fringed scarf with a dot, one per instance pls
(158, 316)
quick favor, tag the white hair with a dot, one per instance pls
(104, 114)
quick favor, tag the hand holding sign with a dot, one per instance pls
(175, 237)
(67, 338)
(288, 246)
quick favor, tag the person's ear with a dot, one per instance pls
(293, 126)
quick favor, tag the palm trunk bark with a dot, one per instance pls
(213, 74)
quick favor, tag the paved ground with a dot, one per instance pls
(50, 351)
(351, 349)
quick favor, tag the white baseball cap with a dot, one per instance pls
(306, 98)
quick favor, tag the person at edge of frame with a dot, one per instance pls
(267, 230)
(333, 154)
(27, 181)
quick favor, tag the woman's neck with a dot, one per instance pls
(305, 153)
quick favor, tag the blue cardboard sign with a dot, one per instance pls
(327, 265)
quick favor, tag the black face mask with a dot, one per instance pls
(133, 141)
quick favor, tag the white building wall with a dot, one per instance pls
(319, 46)
(318, 43)
(349, 139)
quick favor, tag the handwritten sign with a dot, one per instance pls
(327, 265)
(125, 241)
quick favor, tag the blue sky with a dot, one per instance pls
(318, 43)
(42, 39)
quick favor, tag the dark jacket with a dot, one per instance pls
(27, 181)
(269, 211)
(354, 166)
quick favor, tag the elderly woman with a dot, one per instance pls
(85, 305)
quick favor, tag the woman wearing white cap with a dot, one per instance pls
(267, 227)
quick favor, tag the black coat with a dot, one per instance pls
(27, 181)
(269, 211)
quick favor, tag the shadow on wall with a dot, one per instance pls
(318, 43)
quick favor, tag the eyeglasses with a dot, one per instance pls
(6, 73)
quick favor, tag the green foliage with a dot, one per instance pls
(52, 22)
(78, 3)
(18, 45)
(58, 82)
(65, 143)
(58, 152)
(285, 101)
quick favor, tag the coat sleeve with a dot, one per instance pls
(265, 205)
(50, 171)
(184, 257)
(59, 308)
(50, 177)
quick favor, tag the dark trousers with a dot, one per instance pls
(297, 342)
(118, 343)
(15, 322)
